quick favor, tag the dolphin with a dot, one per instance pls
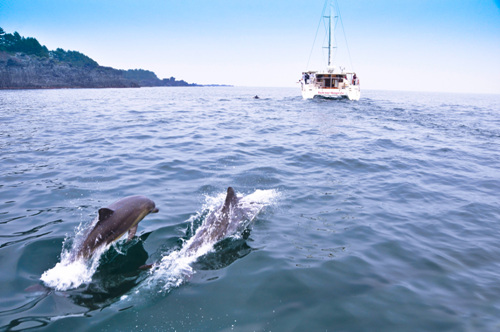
(220, 223)
(230, 218)
(114, 221)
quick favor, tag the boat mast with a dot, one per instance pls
(330, 39)
(331, 35)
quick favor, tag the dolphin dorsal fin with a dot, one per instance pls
(230, 199)
(105, 213)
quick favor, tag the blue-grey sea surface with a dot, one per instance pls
(385, 213)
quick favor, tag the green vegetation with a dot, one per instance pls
(140, 75)
(15, 43)
(75, 58)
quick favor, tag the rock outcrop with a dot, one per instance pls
(26, 64)
(21, 71)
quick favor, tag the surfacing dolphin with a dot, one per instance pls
(231, 218)
(114, 221)
(224, 221)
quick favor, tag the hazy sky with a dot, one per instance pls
(421, 45)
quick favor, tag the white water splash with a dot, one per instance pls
(72, 271)
(175, 267)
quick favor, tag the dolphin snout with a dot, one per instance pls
(155, 210)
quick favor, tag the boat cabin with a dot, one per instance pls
(329, 80)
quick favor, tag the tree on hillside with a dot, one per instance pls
(75, 58)
(13, 43)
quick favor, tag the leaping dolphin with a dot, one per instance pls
(114, 221)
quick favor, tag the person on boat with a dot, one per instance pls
(354, 78)
(312, 78)
(306, 78)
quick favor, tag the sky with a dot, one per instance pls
(409, 45)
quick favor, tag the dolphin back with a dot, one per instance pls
(219, 223)
(115, 220)
(231, 199)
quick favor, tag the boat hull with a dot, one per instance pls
(310, 91)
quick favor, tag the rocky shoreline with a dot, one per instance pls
(22, 71)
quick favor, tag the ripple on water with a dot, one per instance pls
(386, 203)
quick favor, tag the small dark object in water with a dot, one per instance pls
(145, 267)
(256, 97)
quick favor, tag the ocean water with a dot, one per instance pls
(377, 215)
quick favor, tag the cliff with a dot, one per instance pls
(26, 64)
(21, 71)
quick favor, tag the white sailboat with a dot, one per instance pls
(334, 82)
